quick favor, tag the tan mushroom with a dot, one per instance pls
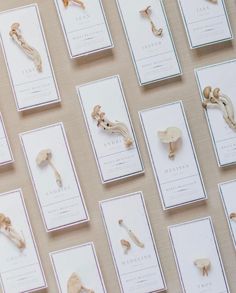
(170, 136)
(233, 217)
(147, 14)
(131, 234)
(203, 265)
(126, 245)
(78, 2)
(43, 159)
(74, 285)
(8, 230)
(213, 1)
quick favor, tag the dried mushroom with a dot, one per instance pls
(126, 245)
(203, 265)
(170, 136)
(78, 2)
(131, 234)
(147, 14)
(74, 285)
(213, 1)
(233, 217)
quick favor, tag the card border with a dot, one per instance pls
(8, 143)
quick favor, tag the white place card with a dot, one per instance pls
(154, 57)
(31, 88)
(221, 76)
(54, 177)
(195, 243)
(6, 156)
(114, 159)
(20, 269)
(79, 261)
(227, 192)
(137, 264)
(205, 22)
(86, 30)
(179, 180)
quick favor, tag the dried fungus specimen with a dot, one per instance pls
(112, 127)
(126, 245)
(215, 98)
(43, 159)
(74, 285)
(8, 230)
(131, 234)
(158, 32)
(31, 52)
(213, 1)
(78, 2)
(204, 265)
(233, 217)
(170, 136)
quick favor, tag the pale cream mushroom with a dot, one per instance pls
(147, 14)
(43, 159)
(233, 217)
(131, 234)
(31, 52)
(111, 127)
(204, 265)
(78, 2)
(125, 245)
(8, 230)
(170, 136)
(74, 285)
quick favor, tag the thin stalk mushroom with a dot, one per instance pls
(78, 2)
(131, 234)
(112, 127)
(215, 98)
(170, 136)
(8, 230)
(126, 245)
(203, 265)
(31, 52)
(147, 14)
(43, 159)
(74, 285)
(233, 217)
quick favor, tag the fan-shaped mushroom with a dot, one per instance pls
(126, 245)
(170, 136)
(131, 234)
(147, 13)
(43, 159)
(203, 265)
(78, 2)
(31, 52)
(233, 216)
(7, 229)
(112, 127)
(74, 285)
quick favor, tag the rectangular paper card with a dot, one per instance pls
(54, 177)
(223, 137)
(32, 86)
(179, 178)
(154, 57)
(20, 268)
(227, 192)
(205, 22)
(136, 262)
(116, 158)
(6, 156)
(77, 262)
(197, 257)
(85, 29)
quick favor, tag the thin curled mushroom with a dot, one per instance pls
(125, 245)
(74, 285)
(214, 97)
(8, 230)
(131, 234)
(78, 2)
(147, 14)
(112, 127)
(31, 52)
(170, 136)
(43, 159)
(203, 265)
(233, 217)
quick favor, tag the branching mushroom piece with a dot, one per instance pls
(7, 229)
(126, 245)
(43, 159)
(78, 2)
(170, 136)
(31, 52)
(74, 285)
(203, 265)
(131, 234)
(214, 97)
(233, 217)
(112, 127)
(147, 13)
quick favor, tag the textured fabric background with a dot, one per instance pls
(70, 73)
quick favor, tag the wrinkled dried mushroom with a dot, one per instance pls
(7, 229)
(43, 159)
(126, 245)
(215, 98)
(170, 136)
(147, 14)
(203, 265)
(233, 217)
(74, 285)
(31, 52)
(131, 234)
(112, 127)
(78, 2)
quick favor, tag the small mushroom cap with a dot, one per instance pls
(125, 243)
(43, 157)
(96, 110)
(202, 263)
(206, 92)
(233, 216)
(171, 134)
(120, 222)
(216, 93)
(65, 2)
(146, 11)
(74, 284)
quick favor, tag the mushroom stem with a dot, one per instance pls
(172, 150)
(131, 234)
(147, 13)
(56, 173)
